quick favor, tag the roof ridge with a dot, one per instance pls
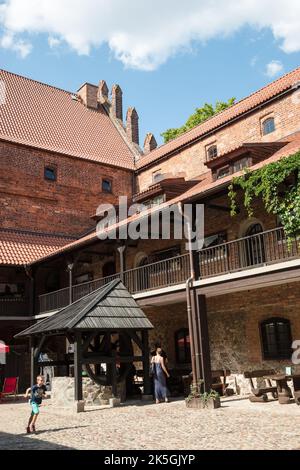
(37, 81)
(102, 292)
(221, 112)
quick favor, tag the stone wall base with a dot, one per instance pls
(63, 393)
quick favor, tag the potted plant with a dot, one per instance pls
(207, 400)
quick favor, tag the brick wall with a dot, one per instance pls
(190, 161)
(28, 201)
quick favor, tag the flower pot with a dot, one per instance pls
(199, 403)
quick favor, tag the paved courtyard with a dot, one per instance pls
(239, 424)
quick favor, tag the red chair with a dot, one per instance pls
(10, 387)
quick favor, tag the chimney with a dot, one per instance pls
(149, 143)
(88, 95)
(102, 92)
(132, 125)
(117, 102)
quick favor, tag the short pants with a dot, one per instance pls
(35, 408)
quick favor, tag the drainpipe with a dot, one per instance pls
(70, 267)
(190, 311)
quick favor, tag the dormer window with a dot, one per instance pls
(268, 126)
(212, 152)
(50, 173)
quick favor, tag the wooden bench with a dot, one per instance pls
(219, 382)
(259, 393)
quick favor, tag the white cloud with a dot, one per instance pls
(21, 47)
(53, 42)
(145, 34)
(274, 68)
(253, 61)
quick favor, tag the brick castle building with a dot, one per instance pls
(62, 154)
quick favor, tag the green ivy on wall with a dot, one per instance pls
(278, 185)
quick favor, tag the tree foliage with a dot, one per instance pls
(200, 115)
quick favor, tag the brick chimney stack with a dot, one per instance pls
(117, 102)
(149, 143)
(88, 95)
(132, 125)
(102, 92)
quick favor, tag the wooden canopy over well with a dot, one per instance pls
(89, 323)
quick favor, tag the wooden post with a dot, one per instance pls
(204, 349)
(146, 360)
(78, 366)
(114, 379)
(33, 361)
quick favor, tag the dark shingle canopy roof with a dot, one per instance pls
(111, 307)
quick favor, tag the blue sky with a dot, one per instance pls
(165, 92)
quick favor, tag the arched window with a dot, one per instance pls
(276, 338)
(268, 126)
(212, 152)
(182, 346)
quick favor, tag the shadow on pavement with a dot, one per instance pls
(27, 442)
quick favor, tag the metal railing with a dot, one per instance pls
(248, 252)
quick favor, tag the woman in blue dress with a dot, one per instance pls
(160, 375)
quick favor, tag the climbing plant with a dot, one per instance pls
(278, 185)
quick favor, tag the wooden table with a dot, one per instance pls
(284, 391)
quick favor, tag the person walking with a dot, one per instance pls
(160, 374)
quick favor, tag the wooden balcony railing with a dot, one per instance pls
(256, 250)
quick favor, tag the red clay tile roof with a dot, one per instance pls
(45, 117)
(21, 247)
(205, 186)
(241, 107)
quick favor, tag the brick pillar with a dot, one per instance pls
(102, 92)
(132, 125)
(149, 143)
(117, 102)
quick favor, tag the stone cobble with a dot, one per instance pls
(239, 424)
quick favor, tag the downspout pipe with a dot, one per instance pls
(189, 286)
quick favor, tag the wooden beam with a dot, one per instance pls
(54, 363)
(39, 347)
(33, 362)
(93, 358)
(114, 379)
(146, 362)
(87, 341)
(78, 366)
(133, 335)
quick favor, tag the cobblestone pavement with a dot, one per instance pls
(239, 424)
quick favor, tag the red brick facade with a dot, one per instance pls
(64, 206)
(190, 161)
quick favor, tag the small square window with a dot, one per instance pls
(106, 186)
(50, 173)
(157, 176)
(212, 152)
(268, 126)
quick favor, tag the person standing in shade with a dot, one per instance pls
(160, 374)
